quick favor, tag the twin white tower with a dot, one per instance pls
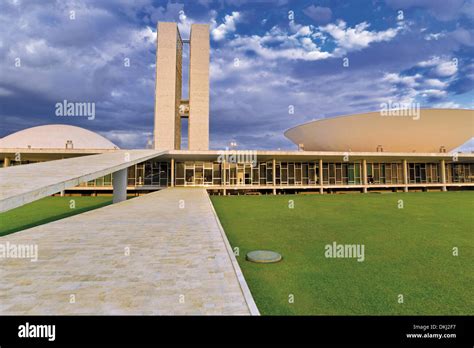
(170, 108)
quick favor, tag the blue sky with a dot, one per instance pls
(274, 64)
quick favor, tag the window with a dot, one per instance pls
(269, 173)
(198, 173)
(263, 169)
(189, 173)
(255, 175)
(179, 173)
(216, 172)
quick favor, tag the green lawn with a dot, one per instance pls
(408, 251)
(46, 210)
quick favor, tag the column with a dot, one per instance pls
(364, 175)
(6, 162)
(443, 174)
(119, 183)
(405, 176)
(274, 176)
(320, 174)
(172, 172)
(224, 176)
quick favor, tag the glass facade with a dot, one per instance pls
(149, 173)
(423, 173)
(460, 172)
(294, 174)
(342, 174)
(384, 173)
(392, 173)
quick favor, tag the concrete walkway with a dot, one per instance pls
(178, 262)
(24, 184)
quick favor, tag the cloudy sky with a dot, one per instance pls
(274, 64)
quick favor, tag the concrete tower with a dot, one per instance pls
(167, 132)
(199, 88)
(169, 105)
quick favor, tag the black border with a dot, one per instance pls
(159, 330)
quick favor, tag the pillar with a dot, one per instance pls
(6, 162)
(443, 174)
(172, 172)
(405, 175)
(320, 174)
(274, 176)
(119, 182)
(364, 175)
(224, 176)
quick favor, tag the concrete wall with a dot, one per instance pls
(199, 88)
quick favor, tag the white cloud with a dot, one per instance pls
(410, 81)
(184, 25)
(433, 93)
(435, 37)
(279, 44)
(304, 31)
(219, 32)
(441, 66)
(411, 87)
(146, 35)
(357, 38)
(302, 42)
(435, 83)
(430, 62)
(446, 69)
(304, 50)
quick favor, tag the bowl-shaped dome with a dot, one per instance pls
(434, 130)
(56, 136)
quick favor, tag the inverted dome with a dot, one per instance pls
(435, 129)
(56, 136)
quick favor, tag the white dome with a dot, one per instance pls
(56, 136)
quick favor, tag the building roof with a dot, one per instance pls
(56, 136)
(432, 131)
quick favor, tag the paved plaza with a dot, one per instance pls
(159, 254)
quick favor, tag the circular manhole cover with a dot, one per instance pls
(263, 256)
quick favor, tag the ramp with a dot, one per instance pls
(159, 254)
